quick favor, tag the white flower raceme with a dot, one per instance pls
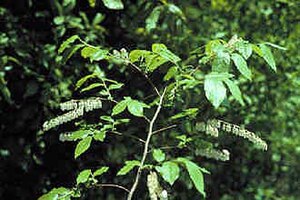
(211, 128)
(76, 109)
(215, 154)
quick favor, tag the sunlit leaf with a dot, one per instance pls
(83, 176)
(113, 4)
(215, 90)
(100, 171)
(129, 165)
(158, 155)
(169, 171)
(82, 146)
(120, 107)
(164, 52)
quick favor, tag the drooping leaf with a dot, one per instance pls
(268, 56)
(92, 86)
(113, 4)
(83, 176)
(171, 73)
(82, 146)
(235, 91)
(158, 155)
(81, 81)
(164, 52)
(99, 135)
(244, 48)
(241, 65)
(215, 90)
(129, 165)
(195, 173)
(169, 171)
(70, 52)
(67, 43)
(120, 107)
(100, 171)
(152, 19)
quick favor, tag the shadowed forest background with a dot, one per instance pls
(34, 80)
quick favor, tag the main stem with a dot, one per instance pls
(146, 147)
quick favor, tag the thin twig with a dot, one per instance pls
(128, 135)
(146, 147)
(113, 185)
(163, 129)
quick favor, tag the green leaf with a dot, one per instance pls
(257, 50)
(152, 19)
(159, 155)
(244, 48)
(81, 81)
(221, 62)
(82, 146)
(215, 90)
(92, 3)
(241, 65)
(120, 107)
(136, 108)
(163, 51)
(70, 52)
(235, 91)
(195, 173)
(94, 54)
(67, 43)
(83, 176)
(115, 86)
(268, 56)
(275, 46)
(172, 72)
(55, 193)
(191, 112)
(113, 4)
(136, 55)
(100, 171)
(92, 86)
(169, 171)
(154, 61)
(99, 135)
(80, 134)
(129, 165)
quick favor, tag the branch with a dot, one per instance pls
(128, 135)
(163, 129)
(113, 185)
(146, 147)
